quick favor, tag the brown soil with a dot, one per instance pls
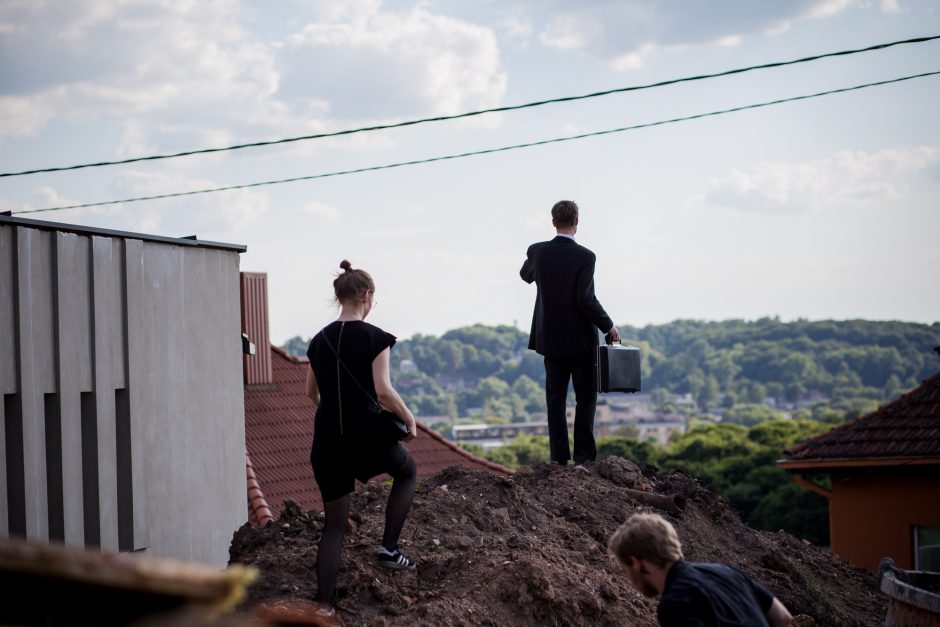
(531, 550)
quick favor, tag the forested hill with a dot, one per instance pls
(738, 381)
(852, 363)
(789, 359)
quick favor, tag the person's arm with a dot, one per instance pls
(778, 615)
(388, 397)
(528, 267)
(313, 391)
(588, 303)
(677, 617)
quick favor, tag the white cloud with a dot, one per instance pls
(416, 62)
(393, 233)
(191, 62)
(827, 8)
(48, 197)
(847, 177)
(729, 41)
(23, 116)
(890, 6)
(327, 213)
(539, 220)
(134, 140)
(167, 76)
(633, 60)
(569, 32)
(517, 28)
(625, 32)
(222, 214)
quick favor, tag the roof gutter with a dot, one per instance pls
(809, 485)
(806, 464)
(192, 240)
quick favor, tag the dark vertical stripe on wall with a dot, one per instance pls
(125, 484)
(90, 470)
(54, 489)
(16, 469)
(55, 497)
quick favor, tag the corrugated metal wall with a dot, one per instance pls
(257, 367)
(122, 423)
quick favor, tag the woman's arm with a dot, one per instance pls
(388, 397)
(313, 392)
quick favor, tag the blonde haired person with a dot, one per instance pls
(349, 372)
(694, 595)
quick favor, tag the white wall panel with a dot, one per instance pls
(35, 316)
(83, 314)
(106, 292)
(76, 369)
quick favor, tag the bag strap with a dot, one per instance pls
(348, 371)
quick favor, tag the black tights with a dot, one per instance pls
(337, 512)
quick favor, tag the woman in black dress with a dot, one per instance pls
(345, 446)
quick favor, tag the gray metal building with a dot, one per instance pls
(122, 423)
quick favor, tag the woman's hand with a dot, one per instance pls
(387, 396)
(412, 431)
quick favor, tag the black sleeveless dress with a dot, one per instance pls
(344, 448)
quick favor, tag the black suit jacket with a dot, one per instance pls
(566, 309)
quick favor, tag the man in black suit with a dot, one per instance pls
(564, 331)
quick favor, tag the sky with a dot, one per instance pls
(826, 208)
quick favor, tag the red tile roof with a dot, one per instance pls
(259, 514)
(907, 428)
(279, 430)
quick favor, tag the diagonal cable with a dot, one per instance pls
(489, 150)
(468, 114)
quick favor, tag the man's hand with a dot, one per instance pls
(614, 335)
(778, 615)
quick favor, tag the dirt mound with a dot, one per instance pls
(531, 549)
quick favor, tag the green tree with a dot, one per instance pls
(628, 448)
(296, 346)
(801, 512)
(531, 395)
(749, 414)
(523, 450)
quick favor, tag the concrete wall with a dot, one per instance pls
(122, 424)
(872, 512)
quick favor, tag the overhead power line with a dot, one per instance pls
(468, 114)
(487, 151)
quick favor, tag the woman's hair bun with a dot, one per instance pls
(345, 265)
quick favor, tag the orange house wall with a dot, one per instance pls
(872, 513)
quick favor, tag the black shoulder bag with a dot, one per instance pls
(387, 426)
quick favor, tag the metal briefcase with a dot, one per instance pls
(618, 368)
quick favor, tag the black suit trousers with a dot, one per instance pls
(558, 372)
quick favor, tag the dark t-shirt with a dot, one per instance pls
(712, 595)
(358, 344)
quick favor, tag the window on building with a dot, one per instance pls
(927, 548)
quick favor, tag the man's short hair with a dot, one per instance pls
(648, 537)
(565, 213)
